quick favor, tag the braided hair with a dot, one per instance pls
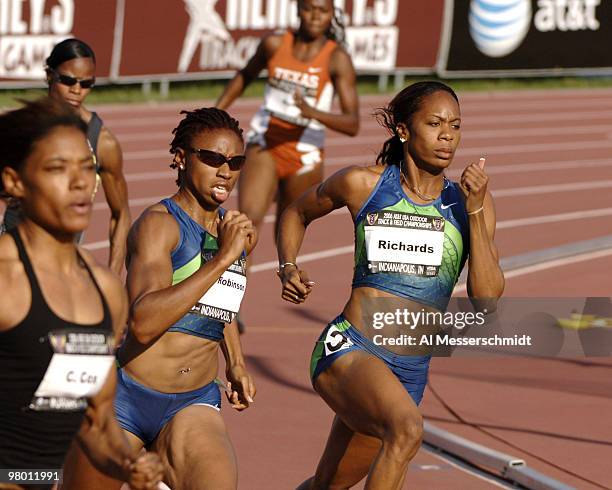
(401, 110)
(196, 121)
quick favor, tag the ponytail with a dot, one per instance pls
(392, 152)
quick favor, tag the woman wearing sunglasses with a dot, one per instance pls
(186, 279)
(71, 76)
(285, 143)
(61, 314)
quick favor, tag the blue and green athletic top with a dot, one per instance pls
(411, 250)
(221, 302)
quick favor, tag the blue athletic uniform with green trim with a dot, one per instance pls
(389, 223)
(195, 245)
(140, 409)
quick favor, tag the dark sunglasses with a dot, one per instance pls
(215, 159)
(71, 81)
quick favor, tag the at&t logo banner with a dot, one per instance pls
(531, 36)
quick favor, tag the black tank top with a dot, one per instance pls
(48, 369)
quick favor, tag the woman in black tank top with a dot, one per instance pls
(57, 308)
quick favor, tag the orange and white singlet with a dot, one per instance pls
(295, 142)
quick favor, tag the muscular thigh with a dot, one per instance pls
(196, 451)
(258, 183)
(365, 394)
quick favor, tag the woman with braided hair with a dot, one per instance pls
(186, 279)
(285, 143)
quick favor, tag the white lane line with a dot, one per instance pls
(476, 150)
(552, 218)
(145, 176)
(324, 254)
(465, 470)
(469, 114)
(141, 201)
(534, 147)
(551, 264)
(497, 193)
(362, 159)
(515, 223)
(552, 188)
(468, 133)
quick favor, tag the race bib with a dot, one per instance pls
(335, 341)
(78, 369)
(222, 301)
(404, 243)
(279, 101)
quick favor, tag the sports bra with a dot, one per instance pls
(411, 250)
(220, 304)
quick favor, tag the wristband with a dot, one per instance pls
(471, 213)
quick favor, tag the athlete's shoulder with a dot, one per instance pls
(272, 42)
(111, 286)
(340, 61)
(10, 264)
(354, 178)
(109, 150)
(107, 280)
(14, 285)
(154, 226)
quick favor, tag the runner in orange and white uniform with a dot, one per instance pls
(295, 142)
(285, 145)
(306, 69)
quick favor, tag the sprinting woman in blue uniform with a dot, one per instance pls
(186, 279)
(414, 231)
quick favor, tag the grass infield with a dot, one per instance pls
(211, 89)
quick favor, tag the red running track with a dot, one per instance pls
(548, 156)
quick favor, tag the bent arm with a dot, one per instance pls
(345, 84)
(250, 72)
(332, 194)
(231, 346)
(115, 190)
(155, 303)
(485, 282)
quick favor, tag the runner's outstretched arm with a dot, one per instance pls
(250, 72)
(334, 193)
